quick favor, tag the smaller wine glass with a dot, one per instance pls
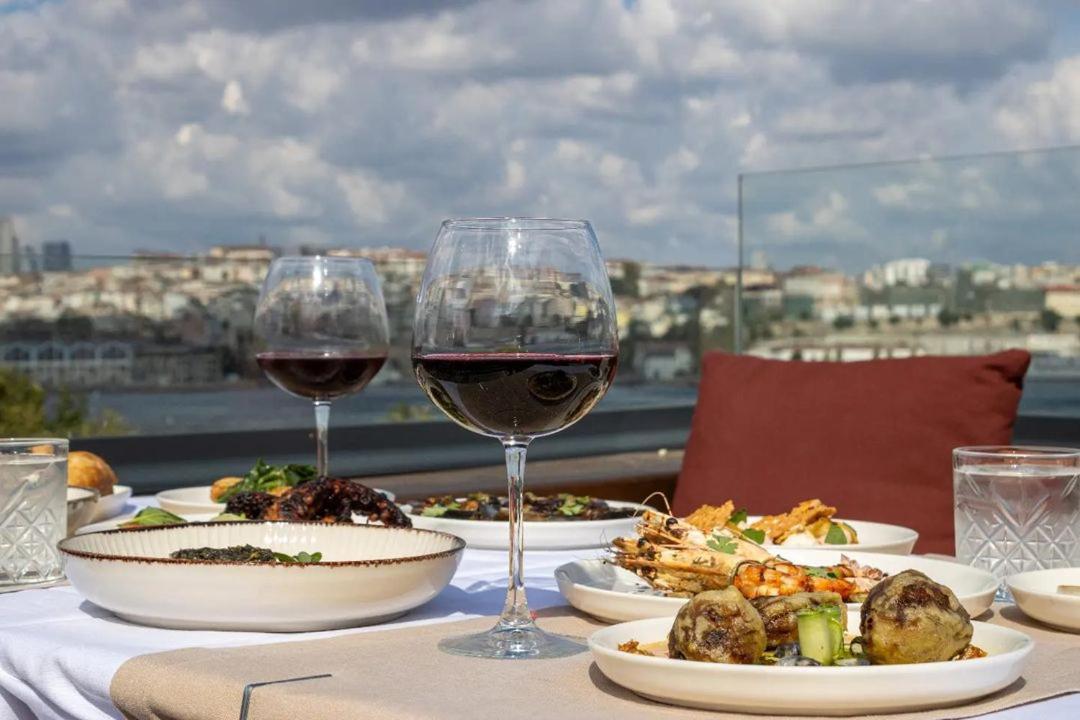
(321, 332)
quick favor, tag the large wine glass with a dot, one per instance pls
(515, 337)
(321, 332)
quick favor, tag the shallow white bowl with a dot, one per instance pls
(368, 575)
(1037, 597)
(556, 535)
(809, 690)
(612, 594)
(196, 500)
(873, 537)
(109, 506)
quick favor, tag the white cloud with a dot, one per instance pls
(182, 124)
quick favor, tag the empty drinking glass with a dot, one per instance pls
(1017, 508)
(33, 509)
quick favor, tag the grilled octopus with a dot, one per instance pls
(329, 500)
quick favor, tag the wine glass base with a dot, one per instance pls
(513, 643)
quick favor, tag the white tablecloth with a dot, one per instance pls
(58, 653)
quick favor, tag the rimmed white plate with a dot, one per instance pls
(809, 690)
(116, 522)
(873, 537)
(367, 575)
(612, 594)
(181, 501)
(111, 505)
(1037, 597)
(539, 535)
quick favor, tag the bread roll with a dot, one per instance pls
(85, 469)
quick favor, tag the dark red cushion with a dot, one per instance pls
(873, 438)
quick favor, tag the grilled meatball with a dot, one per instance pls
(778, 613)
(909, 618)
(718, 626)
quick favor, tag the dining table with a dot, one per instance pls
(59, 653)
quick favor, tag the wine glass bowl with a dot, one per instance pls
(321, 332)
(515, 337)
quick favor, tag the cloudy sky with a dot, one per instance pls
(176, 124)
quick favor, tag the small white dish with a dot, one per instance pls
(81, 503)
(873, 537)
(613, 594)
(111, 505)
(367, 575)
(182, 501)
(539, 535)
(1036, 594)
(809, 690)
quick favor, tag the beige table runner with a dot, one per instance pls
(400, 674)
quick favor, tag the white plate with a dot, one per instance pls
(1036, 595)
(873, 537)
(111, 505)
(367, 575)
(116, 522)
(613, 594)
(181, 501)
(809, 690)
(539, 535)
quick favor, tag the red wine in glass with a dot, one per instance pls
(515, 394)
(321, 376)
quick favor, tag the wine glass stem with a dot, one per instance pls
(515, 612)
(322, 432)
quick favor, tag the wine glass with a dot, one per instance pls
(515, 337)
(321, 332)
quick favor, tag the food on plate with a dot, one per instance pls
(780, 613)
(221, 485)
(909, 618)
(330, 500)
(85, 469)
(680, 559)
(718, 626)
(808, 524)
(1069, 589)
(156, 517)
(263, 478)
(919, 623)
(243, 553)
(535, 508)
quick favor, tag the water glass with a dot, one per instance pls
(1017, 508)
(33, 509)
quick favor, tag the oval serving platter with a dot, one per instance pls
(809, 690)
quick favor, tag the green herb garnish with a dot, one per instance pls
(572, 505)
(820, 572)
(153, 516)
(754, 535)
(265, 477)
(738, 517)
(719, 543)
(300, 557)
(836, 535)
(436, 510)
